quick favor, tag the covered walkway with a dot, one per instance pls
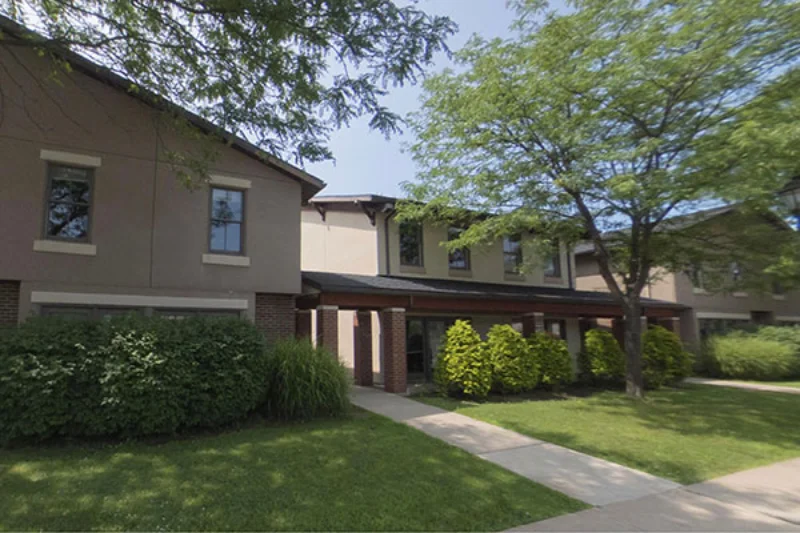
(402, 301)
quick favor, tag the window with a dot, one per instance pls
(227, 221)
(552, 267)
(736, 272)
(180, 314)
(411, 244)
(69, 195)
(695, 273)
(512, 254)
(87, 312)
(459, 258)
(556, 328)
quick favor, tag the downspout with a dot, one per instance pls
(386, 240)
(570, 256)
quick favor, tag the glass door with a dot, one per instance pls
(424, 336)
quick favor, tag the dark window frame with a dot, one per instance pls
(555, 259)
(516, 254)
(242, 224)
(456, 231)
(90, 179)
(420, 242)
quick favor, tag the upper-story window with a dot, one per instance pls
(552, 267)
(411, 244)
(736, 272)
(69, 199)
(512, 254)
(459, 258)
(227, 221)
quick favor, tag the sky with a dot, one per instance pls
(365, 161)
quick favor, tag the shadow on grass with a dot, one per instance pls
(364, 473)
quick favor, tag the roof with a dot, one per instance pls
(390, 285)
(677, 222)
(311, 184)
(353, 198)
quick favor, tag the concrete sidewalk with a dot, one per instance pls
(743, 385)
(592, 480)
(762, 499)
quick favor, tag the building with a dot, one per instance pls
(707, 310)
(95, 221)
(381, 294)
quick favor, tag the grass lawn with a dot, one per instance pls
(688, 435)
(357, 474)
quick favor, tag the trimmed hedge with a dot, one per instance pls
(462, 366)
(515, 367)
(129, 376)
(664, 359)
(555, 363)
(745, 356)
(304, 382)
(604, 356)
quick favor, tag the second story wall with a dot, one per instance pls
(146, 229)
(345, 241)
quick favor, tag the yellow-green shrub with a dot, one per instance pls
(514, 367)
(664, 360)
(742, 356)
(462, 366)
(606, 360)
(555, 363)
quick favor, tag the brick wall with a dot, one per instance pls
(393, 336)
(9, 303)
(328, 328)
(275, 315)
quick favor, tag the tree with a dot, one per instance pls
(604, 122)
(260, 69)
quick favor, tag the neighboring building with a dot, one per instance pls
(95, 222)
(707, 311)
(382, 294)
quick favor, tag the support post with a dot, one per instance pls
(393, 337)
(328, 328)
(362, 348)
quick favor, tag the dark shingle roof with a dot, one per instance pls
(388, 285)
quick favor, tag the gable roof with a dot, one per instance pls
(311, 185)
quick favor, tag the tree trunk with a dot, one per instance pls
(634, 380)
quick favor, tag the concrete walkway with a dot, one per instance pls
(592, 480)
(743, 385)
(762, 499)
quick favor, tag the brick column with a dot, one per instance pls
(362, 348)
(328, 328)
(9, 303)
(393, 337)
(532, 323)
(302, 319)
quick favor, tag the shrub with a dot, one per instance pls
(304, 382)
(605, 358)
(129, 376)
(744, 356)
(462, 366)
(789, 335)
(514, 367)
(664, 359)
(555, 363)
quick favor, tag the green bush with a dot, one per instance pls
(555, 363)
(745, 356)
(605, 358)
(304, 382)
(462, 366)
(789, 335)
(664, 359)
(129, 376)
(514, 367)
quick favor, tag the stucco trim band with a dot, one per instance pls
(132, 300)
(228, 181)
(60, 247)
(70, 158)
(723, 316)
(226, 260)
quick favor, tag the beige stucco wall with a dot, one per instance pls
(486, 261)
(149, 230)
(345, 241)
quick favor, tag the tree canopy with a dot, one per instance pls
(604, 121)
(281, 73)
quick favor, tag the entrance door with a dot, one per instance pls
(424, 336)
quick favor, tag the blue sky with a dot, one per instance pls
(365, 161)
